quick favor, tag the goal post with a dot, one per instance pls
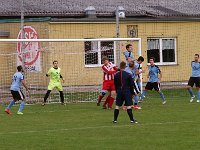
(80, 61)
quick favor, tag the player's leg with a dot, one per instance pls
(128, 104)
(149, 86)
(12, 102)
(157, 88)
(111, 99)
(101, 95)
(107, 98)
(51, 86)
(136, 95)
(189, 88)
(197, 83)
(119, 102)
(21, 106)
(60, 89)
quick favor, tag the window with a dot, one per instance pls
(163, 50)
(95, 50)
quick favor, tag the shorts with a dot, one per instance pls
(108, 85)
(17, 95)
(194, 80)
(153, 85)
(57, 85)
(136, 88)
(122, 97)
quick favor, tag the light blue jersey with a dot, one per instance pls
(131, 72)
(195, 69)
(153, 73)
(128, 54)
(17, 81)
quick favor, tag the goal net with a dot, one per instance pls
(80, 61)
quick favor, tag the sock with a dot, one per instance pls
(130, 114)
(116, 113)
(21, 107)
(198, 95)
(106, 101)
(162, 96)
(100, 98)
(46, 96)
(136, 98)
(61, 96)
(143, 94)
(11, 104)
(110, 102)
(191, 92)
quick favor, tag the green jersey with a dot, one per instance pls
(54, 75)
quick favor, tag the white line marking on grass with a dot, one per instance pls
(96, 127)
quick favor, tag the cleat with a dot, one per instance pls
(64, 104)
(104, 107)
(198, 101)
(164, 102)
(114, 121)
(136, 107)
(110, 108)
(98, 104)
(7, 111)
(134, 121)
(43, 104)
(20, 113)
(192, 98)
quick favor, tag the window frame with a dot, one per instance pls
(99, 55)
(161, 63)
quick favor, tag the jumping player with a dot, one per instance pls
(55, 82)
(16, 90)
(154, 80)
(128, 54)
(195, 78)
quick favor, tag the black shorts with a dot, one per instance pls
(136, 88)
(124, 97)
(153, 85)
(17, 95)
(194, 80)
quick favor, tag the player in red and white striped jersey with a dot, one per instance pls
(108, 89)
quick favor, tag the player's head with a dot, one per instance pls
(131, 64)
(129, 47)
(105, 60)
(140, 59)
(20, 69)
(55, 64)
(122, 65)
(151, 60)
(196, 57)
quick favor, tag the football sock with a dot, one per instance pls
(47, 95)
(130, 114)
(116, 113)
(61, 96)
(136, 98)
(143, 94)
(198, 95)
(11, 104)
(110, 103)
(100, 98)
(21, 107)
(191, 92)
(162, 96)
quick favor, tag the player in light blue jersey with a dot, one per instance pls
(16, 90)
(195, 78)
(154, 80)
(129, 54)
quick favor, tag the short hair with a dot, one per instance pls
(55, 61)
(128, 45)
(141, 58)
(105, 58)
(131, 63)
(152, 58)
(19, 68)
(196, 55)
(122, 65)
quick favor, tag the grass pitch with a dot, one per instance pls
(174, 126)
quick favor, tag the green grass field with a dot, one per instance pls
(174, 126)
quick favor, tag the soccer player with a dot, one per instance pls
(195, 78)
(154, 80)
(55, 82)
(16, 90)
(124, 88)
(108, 89)
(128, 54)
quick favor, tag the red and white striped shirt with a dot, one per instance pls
(109, 71)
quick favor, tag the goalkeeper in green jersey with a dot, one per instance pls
(55, 82)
